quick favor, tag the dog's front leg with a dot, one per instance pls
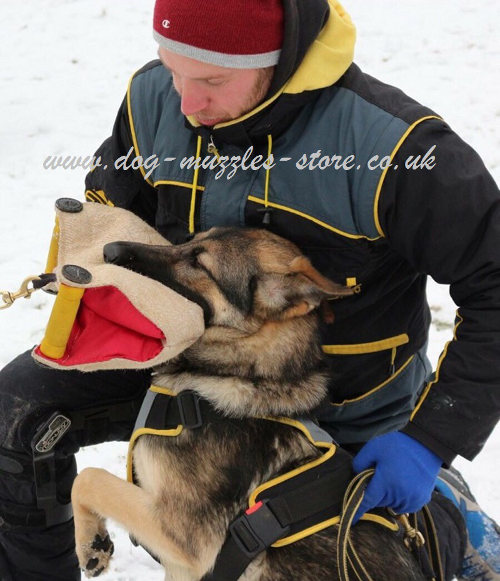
(98, 495)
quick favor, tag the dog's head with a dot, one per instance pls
(242, 278)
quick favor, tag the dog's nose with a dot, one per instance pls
(117, 253)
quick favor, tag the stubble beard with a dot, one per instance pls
(256, 95)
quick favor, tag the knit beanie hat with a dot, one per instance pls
(240, 34)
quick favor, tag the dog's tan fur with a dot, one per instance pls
(259, 356)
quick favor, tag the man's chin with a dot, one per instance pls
(209, 122)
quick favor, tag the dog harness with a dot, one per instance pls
(284, 509)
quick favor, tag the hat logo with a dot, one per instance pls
(166, 23)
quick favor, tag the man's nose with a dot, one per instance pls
(193, 98)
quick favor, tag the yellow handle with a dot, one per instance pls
(53, 249)
(61, 321)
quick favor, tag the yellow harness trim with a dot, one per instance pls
(330, 451)
(137, 433)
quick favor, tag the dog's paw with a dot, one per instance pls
(94, 557)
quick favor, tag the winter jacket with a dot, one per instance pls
(380, 228)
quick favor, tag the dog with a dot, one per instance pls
(260, 356)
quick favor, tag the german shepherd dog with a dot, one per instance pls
(259, 356)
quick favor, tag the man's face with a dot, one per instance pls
(213, 94)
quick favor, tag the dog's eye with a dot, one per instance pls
(193, 258)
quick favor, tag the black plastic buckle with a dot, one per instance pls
(257, 529)
(188, 402)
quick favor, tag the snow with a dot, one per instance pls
(64, 69)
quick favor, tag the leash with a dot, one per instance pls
(25, 291)
(347, 556)
(346, 553)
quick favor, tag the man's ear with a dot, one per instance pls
(298, 292)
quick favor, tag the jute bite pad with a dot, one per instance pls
(105, 316)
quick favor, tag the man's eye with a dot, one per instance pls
(215, 82)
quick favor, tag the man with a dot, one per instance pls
(375, 188)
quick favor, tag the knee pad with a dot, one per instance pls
(50, 464)
(27, 507)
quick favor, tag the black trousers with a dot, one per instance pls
(29, 395)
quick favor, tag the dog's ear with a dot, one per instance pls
(322, 288)
(299, 291)
(328, 288)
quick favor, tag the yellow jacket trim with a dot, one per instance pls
(268, 170)
(98, 196)
(180, 184)
(438, 368)
(372, 347)
(311, 218)
(192, 206)
(132, 130)
(376, 388)
(384, 173)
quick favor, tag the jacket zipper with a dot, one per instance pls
(211, 147)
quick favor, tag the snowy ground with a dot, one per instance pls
(64, 67)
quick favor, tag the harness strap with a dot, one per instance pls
(271, 519)
(250, 534)
(186, 409)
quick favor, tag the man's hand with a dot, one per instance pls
(405, 473)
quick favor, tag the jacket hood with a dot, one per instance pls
(318, 49)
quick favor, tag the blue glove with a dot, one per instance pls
(405, 473)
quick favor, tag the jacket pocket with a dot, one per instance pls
(391, 343)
